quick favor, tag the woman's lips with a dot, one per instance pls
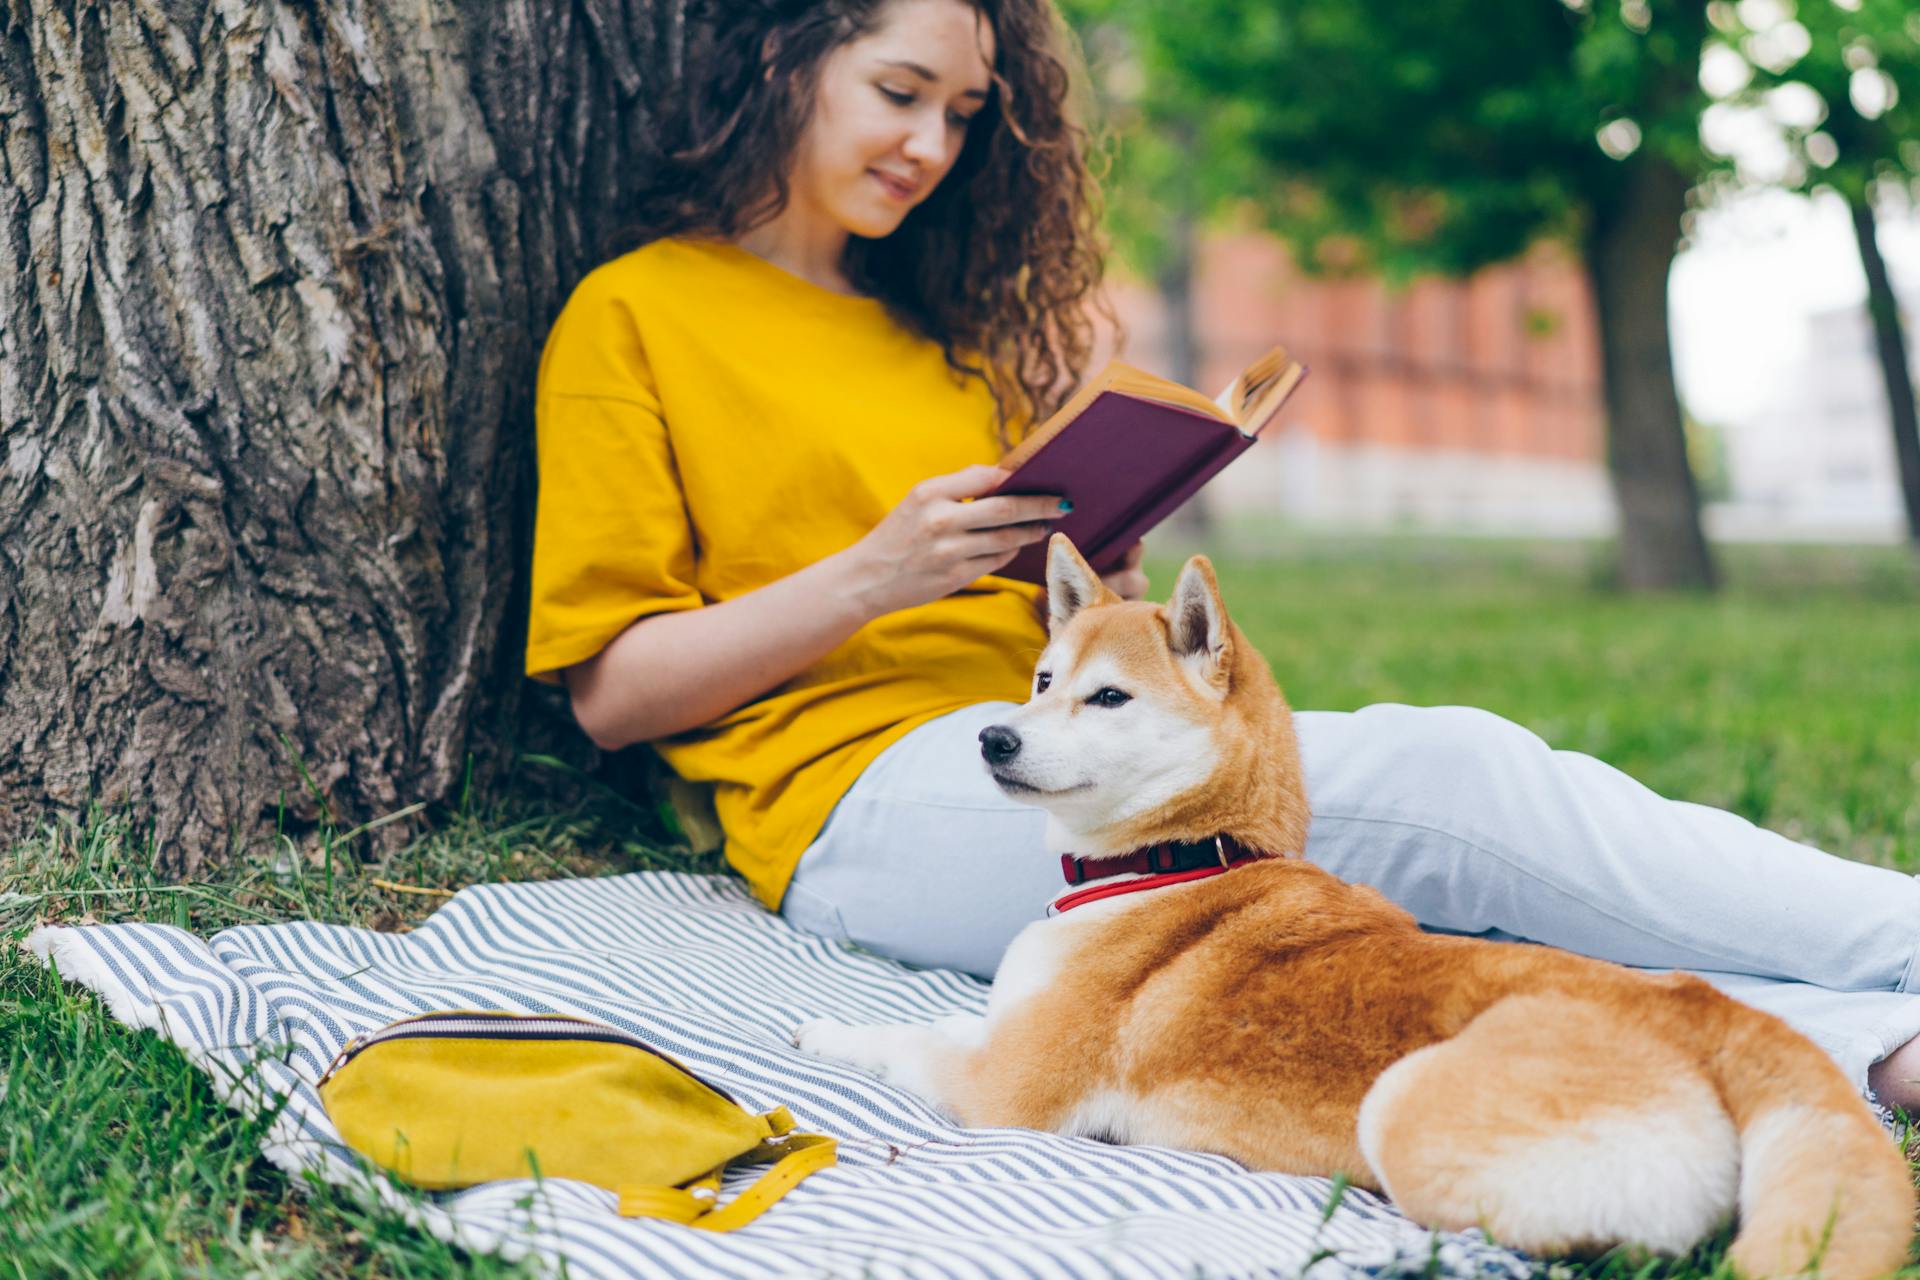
(893, 186)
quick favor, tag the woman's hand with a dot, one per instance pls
(935, 542)
(1129, 581)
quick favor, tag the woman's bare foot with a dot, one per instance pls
(1896, 1078)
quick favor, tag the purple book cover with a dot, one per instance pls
(1125, 463)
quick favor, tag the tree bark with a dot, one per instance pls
(273, 280)
(1889, 340)
(1629, 252)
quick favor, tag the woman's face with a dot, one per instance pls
(890, 114)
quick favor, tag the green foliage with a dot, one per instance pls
(1840, 83)
(1180, 151)
(1405, 135)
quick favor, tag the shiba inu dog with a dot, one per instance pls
(1206, 989)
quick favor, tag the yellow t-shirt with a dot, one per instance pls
(709, 422)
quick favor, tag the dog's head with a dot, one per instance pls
(1148, 722)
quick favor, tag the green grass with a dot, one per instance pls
(1793, 698)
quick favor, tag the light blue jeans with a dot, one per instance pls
(1467, 820)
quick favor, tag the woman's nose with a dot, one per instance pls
(927, 144)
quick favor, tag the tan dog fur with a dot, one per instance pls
(1298, 1023)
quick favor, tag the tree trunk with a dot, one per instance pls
(1175, 283)
(273, 280)
(1889, 340)
(1191, 522)
(1629, 252)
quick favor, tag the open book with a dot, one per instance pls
(1130, 447)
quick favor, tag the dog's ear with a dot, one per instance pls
(1197, 624)
(1072, 584)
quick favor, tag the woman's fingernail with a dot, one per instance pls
(1066, 504)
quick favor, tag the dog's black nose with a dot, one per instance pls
(999, 744)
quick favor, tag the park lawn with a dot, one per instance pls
(1793, 698)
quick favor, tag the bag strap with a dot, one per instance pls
(697, 1204)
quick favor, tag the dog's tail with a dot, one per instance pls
(1822, 1186)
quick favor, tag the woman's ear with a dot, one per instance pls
(1072, 585)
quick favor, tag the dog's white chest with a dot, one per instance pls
(1037, 957)
(1043, 951)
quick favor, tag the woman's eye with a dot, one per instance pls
(895, 96)
(1041, 681)
(959, 121)
(1110, 697)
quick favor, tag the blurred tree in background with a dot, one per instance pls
(1403, 136)
(1840, 82)
(1183, 157)
(1184, 152)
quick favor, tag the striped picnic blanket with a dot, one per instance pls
(694, 965)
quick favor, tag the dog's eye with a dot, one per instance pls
(1110, 697)
(1041, 681)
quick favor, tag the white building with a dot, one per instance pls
(1817, 463)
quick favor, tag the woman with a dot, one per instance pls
(764, 545)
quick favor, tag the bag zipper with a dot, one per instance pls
(480, 1025)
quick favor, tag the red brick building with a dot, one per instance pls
(1469, 404)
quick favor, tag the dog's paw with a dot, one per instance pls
(913, 1058)
(824, 1038)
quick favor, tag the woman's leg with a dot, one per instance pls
(1476, 826)
(925, 859)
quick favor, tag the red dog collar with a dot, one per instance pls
(1159, 865)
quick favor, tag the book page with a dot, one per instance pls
(1257, 394)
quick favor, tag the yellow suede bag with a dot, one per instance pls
(460, 1096)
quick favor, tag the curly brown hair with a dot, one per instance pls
(1000, 264)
